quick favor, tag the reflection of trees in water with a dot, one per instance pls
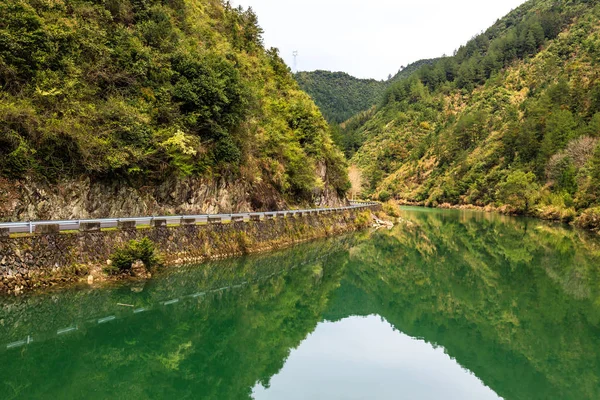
(516, 301)
(217, 345)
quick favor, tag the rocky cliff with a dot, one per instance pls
(79, 199)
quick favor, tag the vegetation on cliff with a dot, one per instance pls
(123, 257)
(512, 119)
(141, 90)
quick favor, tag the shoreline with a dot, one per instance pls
(547, 214)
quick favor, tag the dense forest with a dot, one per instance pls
(341, 96)
(512, 120)
(143, 90)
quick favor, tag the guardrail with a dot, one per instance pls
(91, 225)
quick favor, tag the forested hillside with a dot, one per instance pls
(512, 120)
(144, 91)
(341, 96)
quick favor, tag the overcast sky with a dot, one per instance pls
(371, 38)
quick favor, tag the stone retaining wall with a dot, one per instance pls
(32, 261)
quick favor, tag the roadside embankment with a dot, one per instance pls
(51, 258)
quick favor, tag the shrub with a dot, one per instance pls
(363, 219)
(144, 250)
(556, 213)
(391, 209)
(589, 219)
(384, 196)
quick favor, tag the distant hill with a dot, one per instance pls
(341, 96)
(407, 71)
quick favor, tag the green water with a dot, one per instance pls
(447, 305)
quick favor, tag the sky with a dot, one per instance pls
(371, 38)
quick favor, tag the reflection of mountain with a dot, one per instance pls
(214, 346)
(517, 302)
(514, 301)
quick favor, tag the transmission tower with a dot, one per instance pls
(295, 53)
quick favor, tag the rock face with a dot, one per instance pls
(30, 200)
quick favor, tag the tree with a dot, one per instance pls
(594, 166)
(560, 128)
(252, 30)
(561, 172)
(469, 129)
(581, 150)
(520, 191)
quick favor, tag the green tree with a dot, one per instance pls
(560, 129)
(594, 166)
(519, 190)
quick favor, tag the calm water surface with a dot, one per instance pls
(447, 305)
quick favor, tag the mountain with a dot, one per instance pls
(405, 72)
(341, 96)
(155, 100)
(512, 120)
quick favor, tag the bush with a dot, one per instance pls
(384, 196)
(144, 250)
(363, 219)
(556, 213)
(391, 209)
(589, 219)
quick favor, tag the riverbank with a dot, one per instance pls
(588, 219)
(29, 262)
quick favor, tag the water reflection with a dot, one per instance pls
(467, 304)
(366, 358)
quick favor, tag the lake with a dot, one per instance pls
(446, 305)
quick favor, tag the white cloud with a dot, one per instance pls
(371, 39)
